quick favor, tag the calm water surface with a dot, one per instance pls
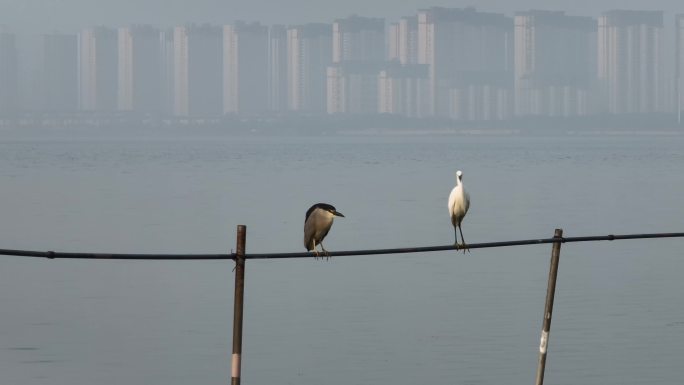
(438, 318)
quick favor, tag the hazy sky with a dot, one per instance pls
(71, 15)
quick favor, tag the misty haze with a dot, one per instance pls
(432, 68)
(160, 126)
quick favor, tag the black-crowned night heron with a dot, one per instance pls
(459, 201)
(319, 219)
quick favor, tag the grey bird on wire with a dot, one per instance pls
(319, 219)
(459, 201)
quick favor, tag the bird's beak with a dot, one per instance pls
(337, 213)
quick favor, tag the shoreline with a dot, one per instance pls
(165, 132)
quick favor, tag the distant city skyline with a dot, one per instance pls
(70, 16)
(465, 64)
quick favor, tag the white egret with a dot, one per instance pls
(319, 219)
(459, 201)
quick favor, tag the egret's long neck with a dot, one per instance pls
(458, 181)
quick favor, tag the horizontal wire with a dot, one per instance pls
(178, 257)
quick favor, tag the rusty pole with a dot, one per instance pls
(236, 362)
(548, 307)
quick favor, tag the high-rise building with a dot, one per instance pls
(352, 87)
(630, 61)
(679, 65)
(404, 85)
(358, 45)
(555, 63)
(60, 70)
(198, 71)
(464, 48)
(358, 38)
(181, 86)
(140, 75)
(402, 42)
(8, 73)
(309, 52)
(403, 90)
(245, 68)
(98, 71)
(480, 102)
(167, 71)
(277, 68)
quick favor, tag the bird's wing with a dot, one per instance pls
(308, 233)
(467, 200)
(452, 200)
(308, 212)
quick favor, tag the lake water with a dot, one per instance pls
(434, 318)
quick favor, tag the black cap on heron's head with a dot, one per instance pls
(323, 206)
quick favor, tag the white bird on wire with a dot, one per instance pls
(318, 221)
(459, 201)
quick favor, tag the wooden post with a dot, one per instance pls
(236, 362)
(548, 307)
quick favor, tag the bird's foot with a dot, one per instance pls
(315, 253)
(326, 254)
(461, 246)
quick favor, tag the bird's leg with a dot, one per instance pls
(465, 247)
(313, 250)
(325, 252)
(455, 238)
